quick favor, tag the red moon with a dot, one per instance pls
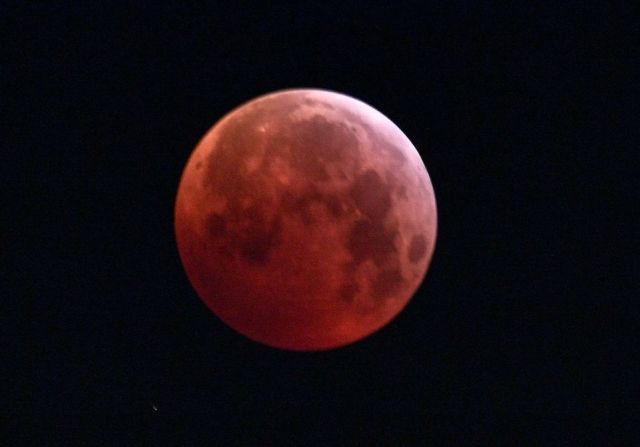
(305, 219)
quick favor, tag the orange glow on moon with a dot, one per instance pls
(305, 219)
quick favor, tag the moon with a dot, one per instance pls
(305, 220)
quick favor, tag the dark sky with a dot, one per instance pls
(526, 118)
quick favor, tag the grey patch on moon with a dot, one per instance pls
(256, 243)
(387, 282)
(216, 225)
(337, 207)
(225, 163)
(371, 195)
(317, 104)
(417, 248)
(338, 144)
(237, 136)
(356, 119)
(396, 155)
(310, 102)
(371, 240)
(246, 233)
(348, 290)
(301, 204)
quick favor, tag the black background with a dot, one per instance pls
(526, 118)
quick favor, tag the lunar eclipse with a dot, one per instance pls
(305, 219)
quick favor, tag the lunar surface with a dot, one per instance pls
(305, 220)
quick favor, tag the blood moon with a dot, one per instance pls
(305, 219)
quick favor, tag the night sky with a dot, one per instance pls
(526, 118)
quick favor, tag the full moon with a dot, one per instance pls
(305, 220)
